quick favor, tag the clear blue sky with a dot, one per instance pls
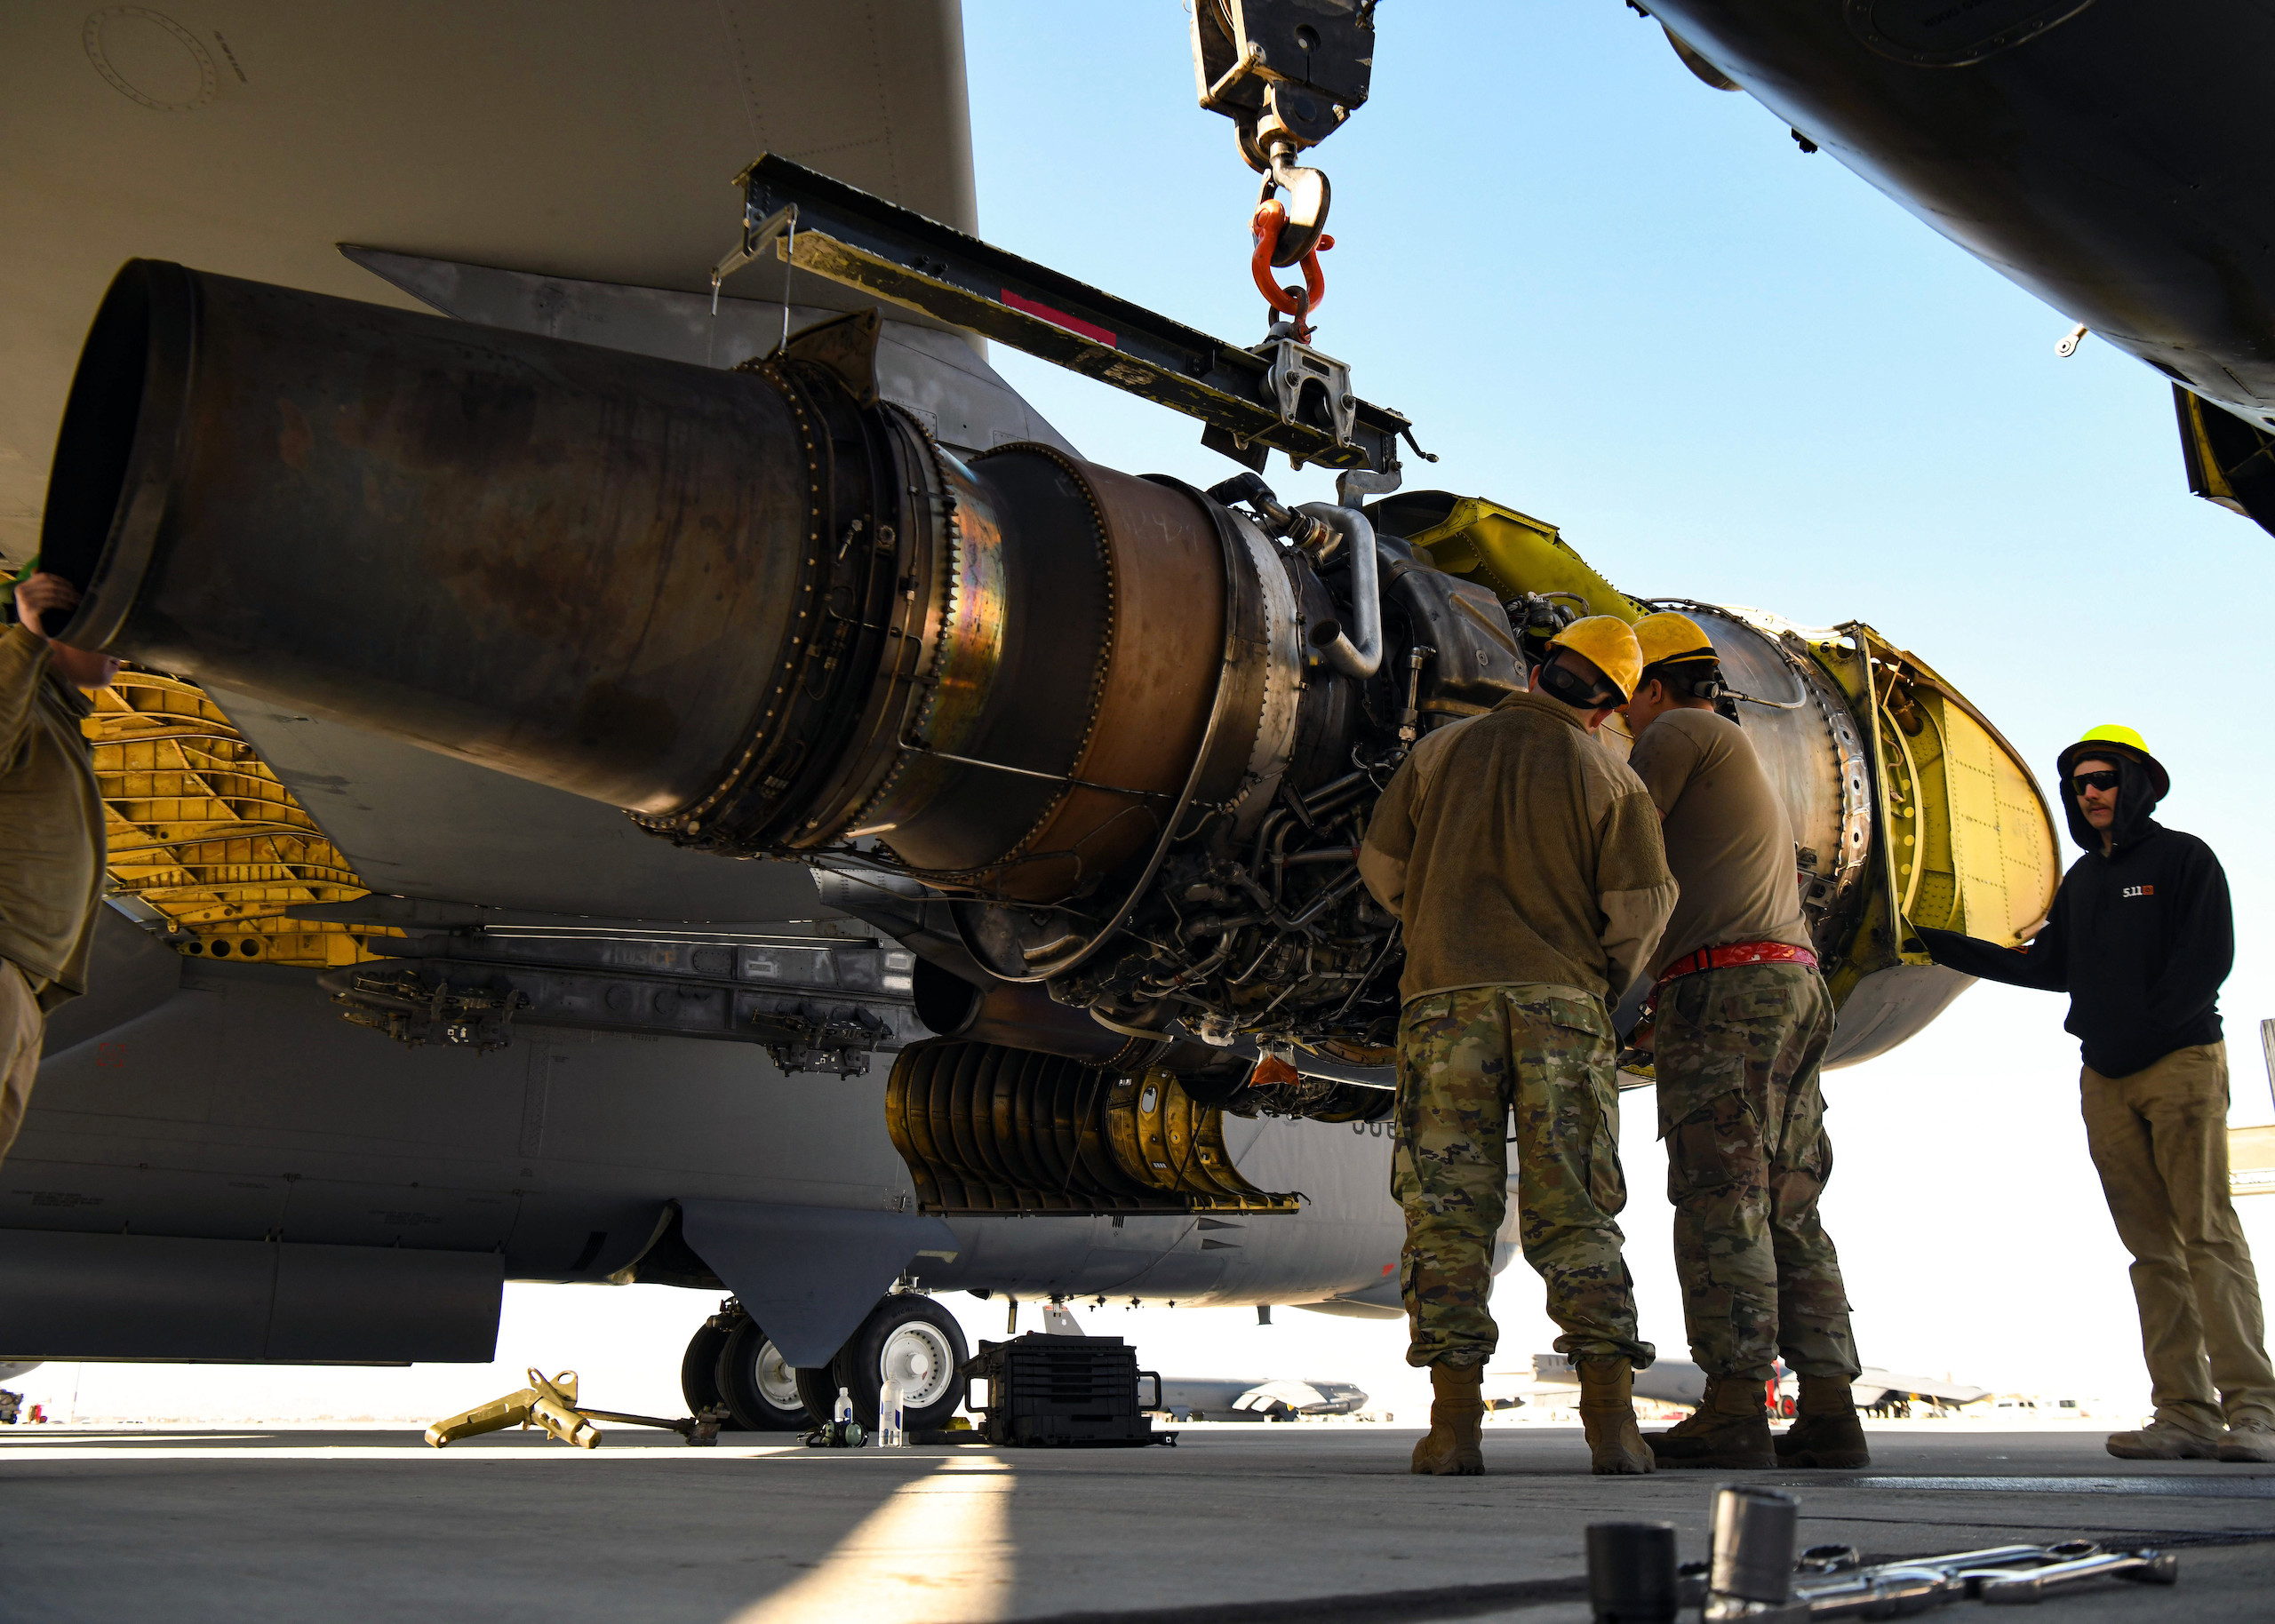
(1628, 304)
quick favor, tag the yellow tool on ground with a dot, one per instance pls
(548, 1403)
(555, 1409)
(552, 1405)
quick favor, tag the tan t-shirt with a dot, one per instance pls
(1728, 839)
(1517, 849)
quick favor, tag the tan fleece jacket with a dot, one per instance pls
(1517, 849)
(51, 845)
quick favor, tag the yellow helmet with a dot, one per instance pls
(1669, 636)
(1605, 643)
(2124, 738)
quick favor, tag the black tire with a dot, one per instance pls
(925, 1342)
(756, 1385)
(818, 1385)
(698, 1372)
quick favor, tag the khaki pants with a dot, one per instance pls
(22, 1027)
(2160, 1141)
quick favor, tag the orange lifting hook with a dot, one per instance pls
(1271, 217)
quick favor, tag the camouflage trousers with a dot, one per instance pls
(1469, 1062)
(1736, 1052)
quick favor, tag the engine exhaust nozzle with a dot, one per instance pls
(760, 609)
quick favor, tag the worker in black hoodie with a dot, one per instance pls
(2141, 937)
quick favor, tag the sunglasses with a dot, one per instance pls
(2105, 779)
(1577, 690)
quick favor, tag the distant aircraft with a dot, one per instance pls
(1232, 1398)
(1501, 1392)
(1680, 1382)
(1245, 1398)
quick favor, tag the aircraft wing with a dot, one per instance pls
(1668, 1380)
(1879, 1384)
(1680, 1382)
(2104, 158)
(1300, 1396)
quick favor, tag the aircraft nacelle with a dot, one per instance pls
(1100, 748)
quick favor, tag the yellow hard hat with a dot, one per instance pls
(1605, 642)
(2124, 738)
(1669, 636)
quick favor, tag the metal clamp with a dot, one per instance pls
(1295, 367)
(758, 236)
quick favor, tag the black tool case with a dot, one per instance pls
(1069, 1392)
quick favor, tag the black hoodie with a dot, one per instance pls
(2140, 939)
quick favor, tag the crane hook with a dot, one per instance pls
(1270, 220)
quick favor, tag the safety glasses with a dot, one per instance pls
(1577, 690)
(2105, 779)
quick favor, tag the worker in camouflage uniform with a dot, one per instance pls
(1740, 1021)
(1525, 861)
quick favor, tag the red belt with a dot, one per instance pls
(1736, 953)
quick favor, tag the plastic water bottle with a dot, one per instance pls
(844, 1411)
(890, 1433)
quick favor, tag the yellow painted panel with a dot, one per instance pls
(1514, 554)
(2002, 849)
(204, 833)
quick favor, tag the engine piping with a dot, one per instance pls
(1362, 658)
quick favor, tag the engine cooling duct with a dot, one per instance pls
(759, 610)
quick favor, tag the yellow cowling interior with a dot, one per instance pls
(1515, 554)
(1967, 842)
(202, 833)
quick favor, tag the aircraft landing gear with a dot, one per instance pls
(731, 1360)
(909, 1338)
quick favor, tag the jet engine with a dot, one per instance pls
(1101, 747)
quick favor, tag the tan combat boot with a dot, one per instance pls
(1608, 1416)
(1826, 1431)
(1454, 1446)
(2248, 1442)
(2164, 1440)
(1729, 1429)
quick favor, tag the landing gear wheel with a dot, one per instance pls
(698, 1372)
(818, 1385)
(760, 1390)
(918, 1344)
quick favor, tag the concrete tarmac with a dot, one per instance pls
(1234, 1525)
